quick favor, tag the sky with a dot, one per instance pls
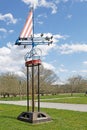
(66, 20)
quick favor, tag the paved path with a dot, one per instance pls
(65, 106)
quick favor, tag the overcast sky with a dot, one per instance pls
(66, 20)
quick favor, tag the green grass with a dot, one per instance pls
(61, 119)
(43, 97)
(77, 98)
(62, 95)
(17, 98)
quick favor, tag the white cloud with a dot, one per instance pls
(42, 15)
(11, 59)
(74, 0)
(83, 0)
(57, 37)
(79, 72)
(31, 2)
(72, 48)
(12, 56)
(4, 51)
(8, 18)
(40, 22)
(11, 31)
(40, 18)
(85, 62)
(49, 4)
(74, 71)
(42, 3)
(65, 0)
(62, 65)
(48, 66)
(83, 71)
(4, 33)
(44, 48)
(3, 30)
(62, 68)
(69, 16)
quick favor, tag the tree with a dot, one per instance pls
(9, 85)
(47, 78)
(13, 85)
(77, 84)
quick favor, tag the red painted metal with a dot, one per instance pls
(33, 62)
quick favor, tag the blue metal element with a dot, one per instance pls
(33, 45)
(34, 54)
(36, 41)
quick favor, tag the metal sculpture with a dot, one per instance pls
(32, 59)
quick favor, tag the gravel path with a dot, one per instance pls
(65, 106)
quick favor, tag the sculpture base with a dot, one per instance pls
(34, 117)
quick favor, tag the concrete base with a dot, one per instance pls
(34, 117)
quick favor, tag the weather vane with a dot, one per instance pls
(32, 58)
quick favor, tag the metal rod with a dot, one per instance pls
(30, 43)
(27, 89)
(32, 63)
(33, 25)
(32, 87)
(38, 89)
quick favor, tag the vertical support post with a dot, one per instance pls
(27, 89)
(32, 87)
(32, 63)
(38, 89)
(20, 85)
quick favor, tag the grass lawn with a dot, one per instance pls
(77, 98)
(44, 97)
(72, 100)
(61, 119)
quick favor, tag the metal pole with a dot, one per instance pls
(27, 89)
(32, 87)
(33, 64)
(38, 89)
